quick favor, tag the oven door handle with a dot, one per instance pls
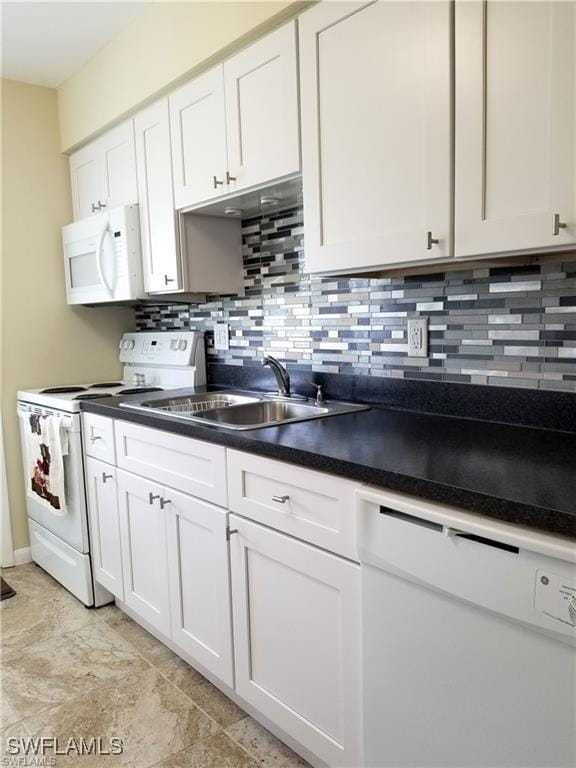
(99, 266)
(66, 424)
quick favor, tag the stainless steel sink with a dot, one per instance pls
(262, 414)
(240, 410)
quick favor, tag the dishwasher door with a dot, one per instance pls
(469, 643)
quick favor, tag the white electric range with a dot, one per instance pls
(153, 361)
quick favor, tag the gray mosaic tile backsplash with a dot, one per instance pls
(507, 326)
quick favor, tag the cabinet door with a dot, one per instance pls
(104, 525)
(376, 133)
(197, 125)
(200, 582)
(297, 639)
(515, 126)
(86, 181)
(144, 549)
(262, 119)
(156, 199)
(119, 165)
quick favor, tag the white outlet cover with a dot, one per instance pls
(418, 337)
(221, 336)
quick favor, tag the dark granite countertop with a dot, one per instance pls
(519, 474)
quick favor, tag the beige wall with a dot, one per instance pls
(43, 340)
(165, 44)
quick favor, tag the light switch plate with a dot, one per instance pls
(222, 336)
(418, 337)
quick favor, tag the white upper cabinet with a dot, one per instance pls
(162, 267)
(198, 126)
(376, 133)
(103, 173)
(515, 126)
(262, 117)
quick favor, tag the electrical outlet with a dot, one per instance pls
(221, 336)
(418, 337)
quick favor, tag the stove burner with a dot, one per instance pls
(106, 385)
(139, 390)
(92, 395)
(61, 390)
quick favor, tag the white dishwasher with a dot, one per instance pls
(469, 638)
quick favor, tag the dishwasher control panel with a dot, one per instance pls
(556, 597)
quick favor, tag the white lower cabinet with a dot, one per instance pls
(144, 549)
(200, 582)
(297, 639)
(101, 485)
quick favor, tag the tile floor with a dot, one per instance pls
(70, 672)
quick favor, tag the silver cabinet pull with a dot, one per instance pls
(93, 438)
(230, 532)
(164, 502)
(557, 225)
(229, 178)
(430, 241)
(280, 499)
(152, 497)
(106, 477)
(168, 280)
(95, 207)
(216, 182)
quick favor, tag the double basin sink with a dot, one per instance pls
(240, 410)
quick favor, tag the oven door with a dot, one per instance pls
(90, 261)
(73, 526)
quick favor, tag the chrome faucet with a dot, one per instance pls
(282, 375)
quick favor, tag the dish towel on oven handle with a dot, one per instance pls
(46, 445)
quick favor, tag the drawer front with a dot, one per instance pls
(99, 437)
(309, 505)
(191, 466)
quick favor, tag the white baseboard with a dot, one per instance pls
(22, 556)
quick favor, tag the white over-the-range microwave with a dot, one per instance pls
(102, 257)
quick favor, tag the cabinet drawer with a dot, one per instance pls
(99, 437)
(192, 466)
(310, 505)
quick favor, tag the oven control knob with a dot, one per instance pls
(174, 344)
(131, 344)
(182, 344)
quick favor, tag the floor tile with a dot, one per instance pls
(11, 745)
(28, 621)
(216, 752)
(30, 580)
(152, 649)
(264, 746)
(65, 667)
(8, 714)
(153, 719)
(202, 692)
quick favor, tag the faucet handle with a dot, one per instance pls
(319, 393)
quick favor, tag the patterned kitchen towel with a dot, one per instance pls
(46, 445)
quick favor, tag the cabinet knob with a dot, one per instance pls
(557, 225)
(280, 499)
(229, 178)
(106, 477)
(430, 241)
(152, 497)
(216, 182)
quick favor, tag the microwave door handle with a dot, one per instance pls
(99, 260)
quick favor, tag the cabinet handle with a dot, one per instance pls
(216, 182)
(430, 241)
(280, 499)
(557, 225)
(229, 178)
(95, 208)
(164, 502)
(230, 532)
(93, 438)
(106, 477)
(152, 497)
(168, 280)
